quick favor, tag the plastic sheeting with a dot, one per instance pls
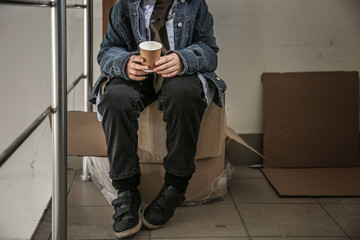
(216, 190)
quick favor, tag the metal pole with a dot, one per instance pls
(88, 63)
(59, 123)
(29, 3)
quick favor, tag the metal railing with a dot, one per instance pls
(39, 3)
(58, 106)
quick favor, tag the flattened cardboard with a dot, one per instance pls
(311, 133)
(311, 119)
(315, 181)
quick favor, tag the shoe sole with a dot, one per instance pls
(130, 231)
(147, 224)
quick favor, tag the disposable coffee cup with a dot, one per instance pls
(150, 51)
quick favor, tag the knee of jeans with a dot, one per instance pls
(184, 90)
(119, 98)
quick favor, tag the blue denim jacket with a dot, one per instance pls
(194, 42)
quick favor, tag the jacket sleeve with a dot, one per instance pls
(201, 55)
(113, 55)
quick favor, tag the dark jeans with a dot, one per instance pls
(183, 104)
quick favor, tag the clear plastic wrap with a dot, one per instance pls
(216, 190)
(99, 170)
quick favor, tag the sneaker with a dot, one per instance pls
(162, 208)
(127, 214)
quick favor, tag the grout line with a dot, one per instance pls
(72, 183)
(310, 237)
(337, 224)
(277, 203)
(238, 211)
(42, 219)
(184, 238)
(247, 178)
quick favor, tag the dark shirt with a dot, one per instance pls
(158, 23)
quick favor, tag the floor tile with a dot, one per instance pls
(70, 178)
(288, 220)
(226, 199)
(223, 238)
(301, 238)
(94, 223)
(339, 200)
(259, 191)
(44, 230)
(211, 220)
(85, 194)
(347, 216)
(246, 172)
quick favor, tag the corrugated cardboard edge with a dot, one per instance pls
(315, 182)
(232, 135)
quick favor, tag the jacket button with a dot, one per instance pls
(217, 78)
(182, 1)
(179, 24)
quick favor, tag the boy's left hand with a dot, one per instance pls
(169, 65)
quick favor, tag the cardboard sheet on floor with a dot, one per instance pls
(315, 181)
(311, 133)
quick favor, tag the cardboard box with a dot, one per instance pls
(86, 138)
(201, 186)
(152, 132)
(311, 133)
(209, 182)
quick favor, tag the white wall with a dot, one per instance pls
(25, 91)
(257, 36)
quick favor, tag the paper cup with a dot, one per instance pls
(150, 51)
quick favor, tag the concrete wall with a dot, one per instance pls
(254, 36)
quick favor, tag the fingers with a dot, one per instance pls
(169, 72)
(134, 68)
(168, 66)
(135, 58)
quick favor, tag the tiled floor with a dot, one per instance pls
(251, 210)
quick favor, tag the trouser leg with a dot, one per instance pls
(183, 104)
(120, 107)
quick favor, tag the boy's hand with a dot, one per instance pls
(169, 65)
(134, 69)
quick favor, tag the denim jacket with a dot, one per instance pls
(194, 42)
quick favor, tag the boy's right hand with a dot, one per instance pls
(134, 69)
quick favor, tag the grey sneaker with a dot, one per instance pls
(127, 220)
